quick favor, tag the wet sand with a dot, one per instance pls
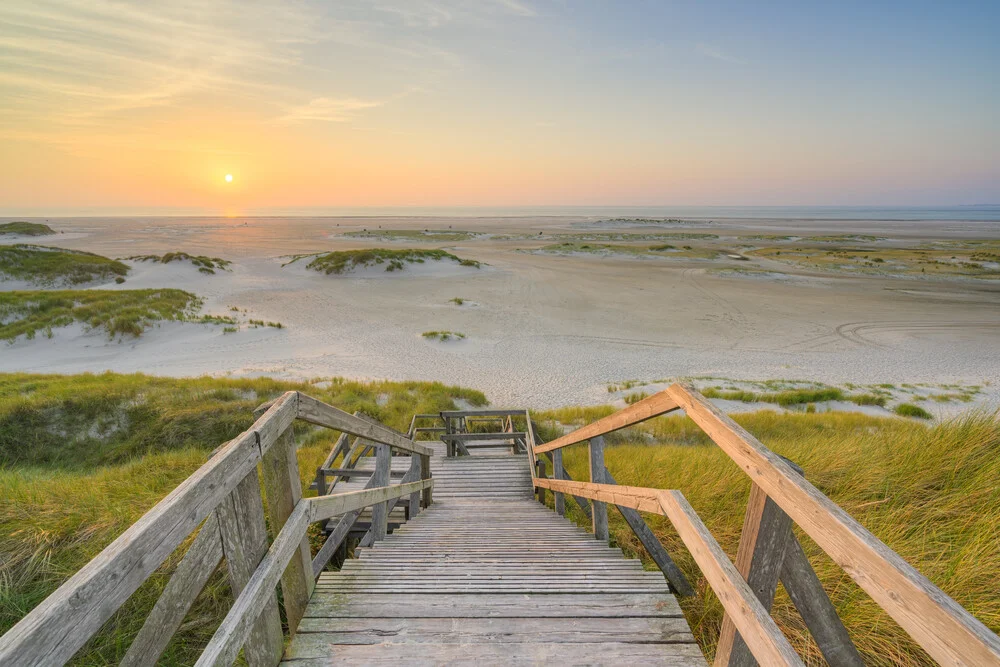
(542, 330)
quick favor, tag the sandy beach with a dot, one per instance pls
(542, 328)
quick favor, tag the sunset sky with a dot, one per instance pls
(142, 106)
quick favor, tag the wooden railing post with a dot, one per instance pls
(600, 510)
(768, 549)
(558, 473)
(380, 513)
(425, 473)
(413, 507)
(244, 543)
(540, 466)
(283, 488)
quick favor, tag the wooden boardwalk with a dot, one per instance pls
(487, 575)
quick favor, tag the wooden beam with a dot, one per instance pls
(324, 507)
(949, 633)
(807, 594)
(244, 544)
(767, 530)
(447, 414)
(55, 629)
(755, 624)
(654, 406)
(380, 511)
(481, 436)
(187, 581)
(237, 628)
(317, 412)
(636, 497)
(337, 536)
(599, 520)
(283, 488)
(558, 472)
(651, 543)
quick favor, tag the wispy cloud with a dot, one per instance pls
(328, 109)
(716, 53)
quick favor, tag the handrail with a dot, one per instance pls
(225, 491)
(225, 644)
(949, 633)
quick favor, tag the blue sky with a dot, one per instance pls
(497, 102)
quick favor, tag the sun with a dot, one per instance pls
(229, 178)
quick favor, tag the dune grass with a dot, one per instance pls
(443, 335)
(784, 398)
(931, 493)
(43, 265)
(911, 410)
(26, 228)
(117, 312)
(343, 261)
(83, 457)
(206, 265)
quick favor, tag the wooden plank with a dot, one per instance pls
(283, 488)
(328, 506)
(654, 406)
(949, 633)
(755, 624)
(451, 414)
(54, 630)
(413, 508)
(766, 532)
(599, 518)
(651, 543)
(425, 475)
(337, 536)
(807, 594)
(187, 581)
(636, 497)
(244, 544)
(559, 472)
(380, 514)
(238, 627)
(471, 605)
(518, 655)
(317, 412)
(465, 437)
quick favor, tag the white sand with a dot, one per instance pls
(541, 330)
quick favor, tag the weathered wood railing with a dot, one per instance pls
(768, 551)
(224, 498)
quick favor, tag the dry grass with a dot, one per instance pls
(931, 493)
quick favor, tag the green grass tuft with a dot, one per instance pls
(343, 261)
(443, 335)
(119, 313)
(206, 265)
(26, 228)
(911, 410)
(43, 265)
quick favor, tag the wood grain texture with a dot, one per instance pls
(329, 506)
(654, 406)
(244, 544)
(599, 510)
(187, 581)
(317, 412)
(54, 630)
(238, 627)
(949, 633)
(766, 532)
(755, 624)
(283, 489)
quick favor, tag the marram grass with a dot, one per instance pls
(932, 493)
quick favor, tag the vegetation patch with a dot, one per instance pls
(458, 301)
(887, 473)
(83, 457)
(119, 313)
(207, 265)
(46, 266)
(911, 410)
(783, 398)
(343, 261)
(26, 228)
(611, 249)
(428, 235)
(443, 335)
